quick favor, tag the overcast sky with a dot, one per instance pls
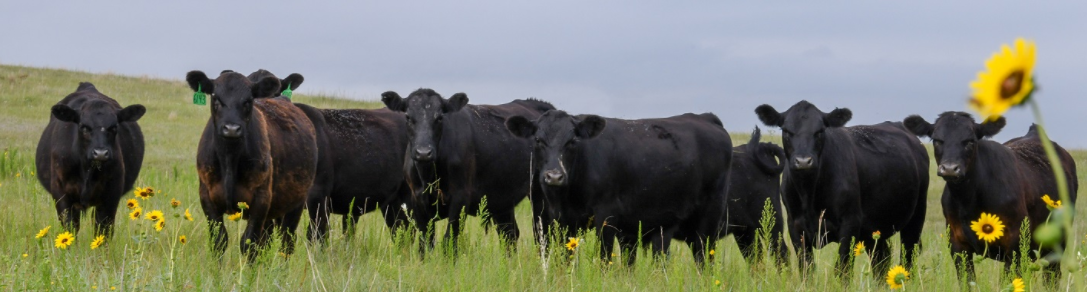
(614, 58)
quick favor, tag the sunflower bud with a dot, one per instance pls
(1049, 234)
(875, 235)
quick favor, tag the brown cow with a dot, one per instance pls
(255, 150)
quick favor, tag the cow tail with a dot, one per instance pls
(765, 154)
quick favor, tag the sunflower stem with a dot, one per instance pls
(1055, 164)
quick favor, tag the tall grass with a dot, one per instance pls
(140, 258)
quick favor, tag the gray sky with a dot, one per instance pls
(614, 58)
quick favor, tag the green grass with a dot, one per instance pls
(139, 258)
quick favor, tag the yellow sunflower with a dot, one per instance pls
(98, 241)
(572, 244)
(897, 276)
(135, 213)
(43, 232)
(988, 227)
(1007, 81)
(187, 215)
(183, 239)
(160, 224)
(235, 216)
(155, 215)
(859, 249)
(1018, 286)
(64, 240)
(144, 193)
(1050, 203)
(175, 203)
(132, 204)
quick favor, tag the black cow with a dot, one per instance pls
(90, 155)
(844, 183)
(1006, 180)
(665, 178)
(755, 177)
(258, 150)
(458, 153)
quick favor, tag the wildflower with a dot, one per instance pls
(25, 255)
(135, 213)
(155, 215)
(897, 276)
(160, 224)
(235, 216)
(1018, 286)
(187, 215)
(1050, 203)
(144, 193)
(112, 288)
(875, 235)
(183, 239)
(717, 282)
(64, 240)
(43, 232)
(175, 203)
(132, 204)
(94, 287)
(18, 174)
(572, 244)
(859, 249)
(1008, 81)
(712, 252)
(243, 205)
(98, 241)
(988, 227)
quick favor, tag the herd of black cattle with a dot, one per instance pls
(427, 158)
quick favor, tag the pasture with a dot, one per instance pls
(140, 258)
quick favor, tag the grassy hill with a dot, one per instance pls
(140, 258)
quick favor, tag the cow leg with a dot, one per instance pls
(350, 220)
(659, 241)
(422, 215)
(911, 234)
(628, 245)
(699, 246)
(255, 236)
(69, 216)
(964, 263)
(104, 215)
(506, 225)
(318, 217)
(287, 227)
(216, 228)
(452, 234)
(607, 236)
(394, 218)
(880, 252)
(745, 241)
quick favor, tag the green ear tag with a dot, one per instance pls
(199, 98)
(287, 92)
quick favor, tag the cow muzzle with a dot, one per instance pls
(802, 163)
(232, 130)
(949, 170)
(100, 154)
(424, 154)
(554, 177)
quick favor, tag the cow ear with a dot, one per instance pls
(918, 125)
(455, 102)
(266, 87)
(131, 113)
(837, 117)
(393, 101)
(199, 81)
(65, 113)
(293, 80)
(990, 128)
(520, 126)
(768, 115)
(590, 126)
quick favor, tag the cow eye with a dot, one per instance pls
(411, 120)
(438, 119)
(571, 143)
(819, 134)
(786, 134)
(937, 143)
(86, 130)
(112, 129)
(968, 145)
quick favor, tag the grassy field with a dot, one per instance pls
(140, 258)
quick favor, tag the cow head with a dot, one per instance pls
(425, 111)
(803, 129)
(557, 137)
(98, 121)
(293, 81)
(232, 96)
(955, 139)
